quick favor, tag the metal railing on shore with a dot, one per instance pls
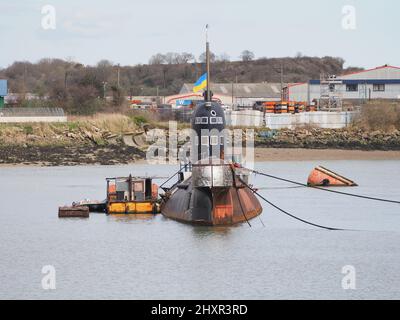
(32, 112)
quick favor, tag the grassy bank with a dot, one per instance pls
(99, 139)
(82, 140)
(78, 130)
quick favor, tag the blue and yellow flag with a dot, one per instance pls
(201, 83)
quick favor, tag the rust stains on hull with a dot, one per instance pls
(211, 206)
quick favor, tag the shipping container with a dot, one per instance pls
(3, 88)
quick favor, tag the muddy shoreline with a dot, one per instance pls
(69, 155)
(110, 139)
(118, 154)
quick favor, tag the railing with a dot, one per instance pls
(32, 112)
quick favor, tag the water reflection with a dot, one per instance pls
(204, 231)
(128, 218)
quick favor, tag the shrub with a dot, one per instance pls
(139, 120)
(28, 129)
(379, 116)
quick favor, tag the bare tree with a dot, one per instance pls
(104, 63)
(186, 57)
(158, 58)
(224, 57)
(172, 57)
(247, 55)
(202, 57)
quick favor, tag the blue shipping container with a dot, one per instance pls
(183, 102)
(3, 88)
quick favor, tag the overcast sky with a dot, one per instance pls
(129, 31)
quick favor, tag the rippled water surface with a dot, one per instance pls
(127, 257)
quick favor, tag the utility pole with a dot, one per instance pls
(66, 81)
(281, 76)
(236, 85)
(281, 82)
(164, 77)
(118, 72)
(24, 83)
(232, 94)
(208, 95)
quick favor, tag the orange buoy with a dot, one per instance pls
(323, 177)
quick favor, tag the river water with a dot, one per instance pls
(126, 257)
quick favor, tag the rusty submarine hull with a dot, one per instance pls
(213, 194)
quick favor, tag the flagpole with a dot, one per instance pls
(208, 95)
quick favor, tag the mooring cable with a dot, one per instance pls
(238, 196)
(323, 189)
(241, 206)
(280, 188)
(289, 214)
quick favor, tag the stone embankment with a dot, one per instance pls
(316, 138)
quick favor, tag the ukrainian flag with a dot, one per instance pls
(201, 83)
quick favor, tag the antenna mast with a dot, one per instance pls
(208, 94)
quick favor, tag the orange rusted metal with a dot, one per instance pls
(323, 177)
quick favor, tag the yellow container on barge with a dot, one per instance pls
(132, 195)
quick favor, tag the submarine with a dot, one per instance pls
(211, 190)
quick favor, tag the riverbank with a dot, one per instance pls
(317, 138)
(110, 139)
(114, 155)
(292, 154)
(69, 155)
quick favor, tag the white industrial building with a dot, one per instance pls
(241, 94)
(379, 83)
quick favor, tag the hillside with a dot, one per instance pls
(76, 87)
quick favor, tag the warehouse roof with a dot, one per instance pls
(383, 74)
(387, 67)
(242, 90)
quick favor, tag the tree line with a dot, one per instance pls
(81, 89)
(185, 57)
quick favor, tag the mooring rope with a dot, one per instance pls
(238, 196)
(323, 189)
(279, 188)
(241, 207)
(289, 214)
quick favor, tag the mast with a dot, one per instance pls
(208, 94)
